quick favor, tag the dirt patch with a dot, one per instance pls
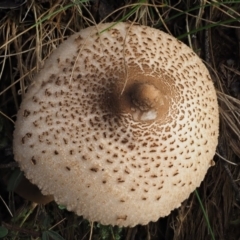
(30, 31)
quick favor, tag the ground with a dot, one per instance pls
(30, 30)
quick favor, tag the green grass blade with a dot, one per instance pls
(205, 216)
(208, 27)
(129, 14)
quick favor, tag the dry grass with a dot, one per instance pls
(30, 33)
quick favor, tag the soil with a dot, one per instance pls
(214, 36)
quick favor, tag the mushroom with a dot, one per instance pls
(120, 125)
(26, 189)
(32, 193)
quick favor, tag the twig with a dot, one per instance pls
(222, 152)
(34, 234)
(91, 231)
(6, 206)
(9, 165)
(234, 185)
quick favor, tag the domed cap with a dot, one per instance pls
(120, 126)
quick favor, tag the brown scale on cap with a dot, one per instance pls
(120, 127)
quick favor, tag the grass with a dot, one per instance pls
(29, 34)
(205, 216)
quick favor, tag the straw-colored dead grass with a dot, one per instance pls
(29, 34)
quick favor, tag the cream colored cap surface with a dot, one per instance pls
(120, 126)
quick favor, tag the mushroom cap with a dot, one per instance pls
(120, 126)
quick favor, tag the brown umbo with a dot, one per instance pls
(120, 125)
